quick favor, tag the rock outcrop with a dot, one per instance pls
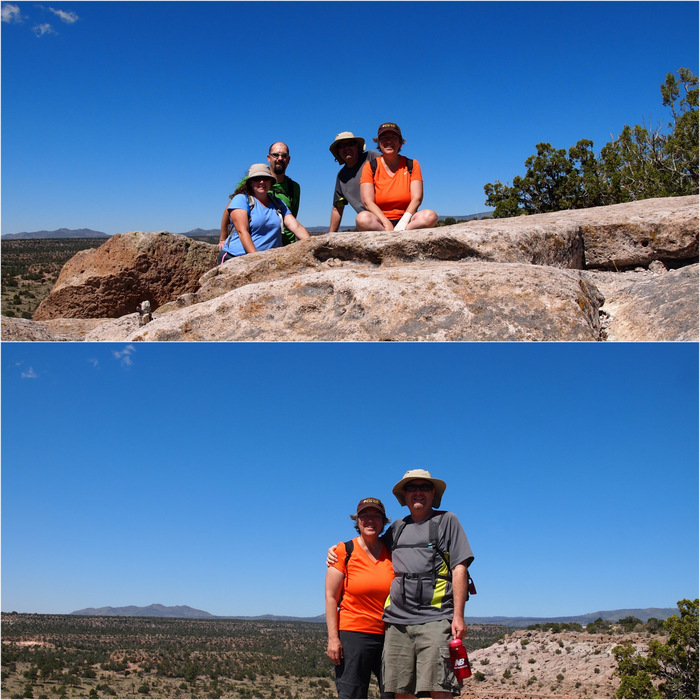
(112, 280)
(622, 272)
(540, 664)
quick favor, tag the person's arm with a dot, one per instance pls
(459, 594)
(334, 583)
(295, 227)
(416, 196)
(412, 208)
(239, 218)
(224, 229)
(369, 203)
(336, 218)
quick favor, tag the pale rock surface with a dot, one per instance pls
(425, 301)
(562, 664)
(649, 306)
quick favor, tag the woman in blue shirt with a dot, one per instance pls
(258, 227)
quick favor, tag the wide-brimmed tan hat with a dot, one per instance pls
(346, 136)
(260, 170)
(413, 475)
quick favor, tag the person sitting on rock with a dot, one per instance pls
(257, 217)
(392, 190)
(349, 150)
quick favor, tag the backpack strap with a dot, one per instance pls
(278, 205)
(349, 546)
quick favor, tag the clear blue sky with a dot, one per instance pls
(122, 116)
(216, 476)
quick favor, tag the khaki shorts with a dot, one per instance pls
(416, 659)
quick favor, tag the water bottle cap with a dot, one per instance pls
(456, 643)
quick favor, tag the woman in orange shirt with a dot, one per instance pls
(392, 194)
(357, 586)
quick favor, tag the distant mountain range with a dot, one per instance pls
(157, 610)
(58, 233)
(194, 233)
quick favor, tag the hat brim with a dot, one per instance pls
(438, 484)
(333, 148)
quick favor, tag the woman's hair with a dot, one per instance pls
(385, 522)
(241, 187)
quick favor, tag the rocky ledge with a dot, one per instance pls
(627, 272)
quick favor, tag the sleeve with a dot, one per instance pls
(367, 174)
(340, 551)
(416, 174)
(457, 542)
(285, 209)
(338, 193)
(240, 201)
(296, 198)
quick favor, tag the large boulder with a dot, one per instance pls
(110, 281)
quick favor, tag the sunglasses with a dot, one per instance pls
(282, 156)
(418, 487)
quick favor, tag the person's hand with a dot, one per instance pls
(332, 557)
(403, 222)
(459, 628)
(334, 651)
(221, 244)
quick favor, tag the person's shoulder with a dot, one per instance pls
(240, 201)
(373, 155)
(446, 516)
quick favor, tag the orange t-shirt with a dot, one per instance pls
(365, 590)
(392, 194)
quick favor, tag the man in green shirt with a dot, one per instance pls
(285, 188)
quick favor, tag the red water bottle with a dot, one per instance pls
(460, 660)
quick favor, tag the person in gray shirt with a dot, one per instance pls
(349, 151)
(425, 609)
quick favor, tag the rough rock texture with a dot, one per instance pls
(623, 272)
(548, 665)
(21, 329)
(649, 306)
(110, 281)
(425, 301)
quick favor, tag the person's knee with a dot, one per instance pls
(430, 218)
(365, 221)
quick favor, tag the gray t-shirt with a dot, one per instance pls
(347, 184)
(420, 592)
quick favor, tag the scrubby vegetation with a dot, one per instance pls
(642, 162)
(670, 669)
(66, 656)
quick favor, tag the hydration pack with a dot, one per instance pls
(435, 572)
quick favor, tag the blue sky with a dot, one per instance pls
(216, 476)
(122, 116)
